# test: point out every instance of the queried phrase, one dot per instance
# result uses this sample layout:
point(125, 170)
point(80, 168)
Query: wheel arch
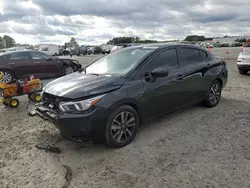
point(129, 102)
point(11, 71)
point(219, 80)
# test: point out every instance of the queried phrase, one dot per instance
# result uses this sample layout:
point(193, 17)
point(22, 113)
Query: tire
point(243, 71)
point(5, 103)
point(31, 96)
point(13, 103)
point(213, 95)
point(67, 70)
point(37, 97)
point(7, 77)
point(116, 135)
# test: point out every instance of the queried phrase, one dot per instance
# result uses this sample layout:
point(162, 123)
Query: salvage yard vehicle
point(111, 97)
point(106, 48)
point(22, 64)
point(243, 61)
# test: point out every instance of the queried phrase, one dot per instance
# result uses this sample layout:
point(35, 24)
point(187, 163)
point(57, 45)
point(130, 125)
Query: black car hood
point(80, 85)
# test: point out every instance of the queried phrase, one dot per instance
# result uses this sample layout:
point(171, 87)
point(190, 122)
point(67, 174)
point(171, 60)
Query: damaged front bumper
point(75, 127)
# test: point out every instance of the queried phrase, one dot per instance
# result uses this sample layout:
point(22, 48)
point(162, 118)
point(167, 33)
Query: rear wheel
point(31, 96)
point(214, 94)
point(243, 71)
point(122, 127)
point(6, 76)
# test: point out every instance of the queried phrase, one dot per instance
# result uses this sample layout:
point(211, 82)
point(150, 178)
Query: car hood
point(80, 85)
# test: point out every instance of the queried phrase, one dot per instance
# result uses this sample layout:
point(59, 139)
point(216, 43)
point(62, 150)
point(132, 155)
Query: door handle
point(209, 65)
point(36, 62)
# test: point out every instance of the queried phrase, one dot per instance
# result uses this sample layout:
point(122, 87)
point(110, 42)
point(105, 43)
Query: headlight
point(79, 106)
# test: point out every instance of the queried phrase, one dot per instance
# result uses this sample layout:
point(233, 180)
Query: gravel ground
point(194, 147)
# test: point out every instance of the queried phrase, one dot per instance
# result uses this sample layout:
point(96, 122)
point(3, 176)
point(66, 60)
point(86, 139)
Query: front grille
point(49, 99)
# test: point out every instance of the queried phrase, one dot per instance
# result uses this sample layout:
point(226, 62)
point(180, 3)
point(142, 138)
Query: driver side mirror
point(159, 72)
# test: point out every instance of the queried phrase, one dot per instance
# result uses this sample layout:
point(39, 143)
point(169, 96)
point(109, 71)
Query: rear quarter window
point(190, 56)
point(203, 55)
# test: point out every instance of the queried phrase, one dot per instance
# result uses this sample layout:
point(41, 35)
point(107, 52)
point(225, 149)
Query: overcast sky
point(97, 21)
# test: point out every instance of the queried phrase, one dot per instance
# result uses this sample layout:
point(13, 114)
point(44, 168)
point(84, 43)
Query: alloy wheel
point(214, 94)
point(6, 77)
point(69, 70)
point(123, 126)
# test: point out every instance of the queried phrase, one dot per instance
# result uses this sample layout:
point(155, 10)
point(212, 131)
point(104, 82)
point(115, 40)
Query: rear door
point(195, 61)
point(21, 64)
point(46, 66)
point(163, 94)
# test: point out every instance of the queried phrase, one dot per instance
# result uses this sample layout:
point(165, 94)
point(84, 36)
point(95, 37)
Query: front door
point(166, 93)
point(47, 66)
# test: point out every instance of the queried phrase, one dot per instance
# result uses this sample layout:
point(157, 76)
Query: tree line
point(7, 42)
point(122, 40)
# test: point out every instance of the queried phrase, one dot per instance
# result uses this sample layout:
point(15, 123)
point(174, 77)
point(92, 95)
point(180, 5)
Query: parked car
point(20, 64)
point(243, 61)
point(111, 97)
point(97, 50)
point(225, 45)
point(106, 48)
point(65, 52)
point(90, 50)
point(83, 50)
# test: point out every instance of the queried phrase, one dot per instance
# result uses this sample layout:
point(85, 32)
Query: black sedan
point(22, 64)
point(110, 98)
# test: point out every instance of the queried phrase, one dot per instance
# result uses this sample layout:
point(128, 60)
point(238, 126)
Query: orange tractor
point(31, 87)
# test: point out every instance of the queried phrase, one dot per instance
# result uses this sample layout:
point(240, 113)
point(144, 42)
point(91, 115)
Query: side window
point(38, 55)
point(203, 55)
point(190, 56)
point(19, 56)
point(167, 59)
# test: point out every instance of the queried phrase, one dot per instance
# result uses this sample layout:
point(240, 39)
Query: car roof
point(164, 45)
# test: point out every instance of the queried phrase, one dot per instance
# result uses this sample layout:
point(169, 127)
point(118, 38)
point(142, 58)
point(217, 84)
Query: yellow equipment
point(30, 87)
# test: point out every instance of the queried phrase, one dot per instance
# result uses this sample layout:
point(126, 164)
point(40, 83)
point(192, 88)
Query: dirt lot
point(195, 147)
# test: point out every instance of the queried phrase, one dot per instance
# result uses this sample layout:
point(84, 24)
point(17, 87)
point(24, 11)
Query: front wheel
point(214, 94)
point(13, 103)
point(121, 127)
point(68, 70)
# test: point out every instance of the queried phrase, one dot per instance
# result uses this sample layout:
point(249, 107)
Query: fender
point(131, 102)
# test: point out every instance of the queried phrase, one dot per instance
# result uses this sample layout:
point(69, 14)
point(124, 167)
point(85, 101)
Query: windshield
point(119, 63)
